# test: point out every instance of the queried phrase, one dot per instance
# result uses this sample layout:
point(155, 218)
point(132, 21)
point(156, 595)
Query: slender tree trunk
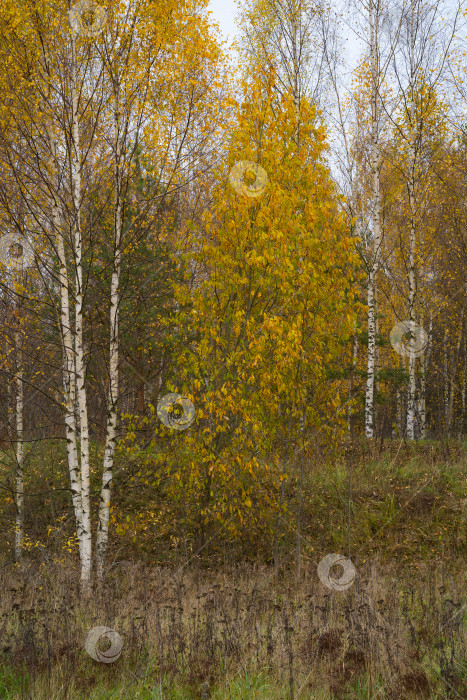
point(104, 505)
point(69, 383)
point(377, 384)
point(425, 363)
point(370, 379)
point(11, 406)
point(352, 381)
point(160, 379)
point(376, 248)
point(400, 413)
point(411, 394)
point(66, 333)
point(299, 514)
point(412, 358)
point(86, 553)
point(19, 470)
point(453, 373)
point(69, 378)
point(447, 422)
point(412, 241)
point(463, 390)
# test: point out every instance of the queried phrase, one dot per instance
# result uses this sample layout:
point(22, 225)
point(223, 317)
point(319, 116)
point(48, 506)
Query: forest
point(233, 350)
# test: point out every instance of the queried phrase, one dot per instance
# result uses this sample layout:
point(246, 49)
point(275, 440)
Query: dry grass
point(219, 627)
point(204, 633)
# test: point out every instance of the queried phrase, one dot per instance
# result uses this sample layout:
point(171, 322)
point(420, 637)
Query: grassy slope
point(400, 627)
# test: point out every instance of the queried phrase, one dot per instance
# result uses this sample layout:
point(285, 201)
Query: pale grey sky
point(224, 11)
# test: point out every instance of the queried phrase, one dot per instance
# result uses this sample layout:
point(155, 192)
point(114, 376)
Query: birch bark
point(464, 383)
point(374, 19)
point(19, 469)
point(425, 364)
point(66, 334)
point(111, 432)
point(412, 241)
point(352, 381)
point(86, 552)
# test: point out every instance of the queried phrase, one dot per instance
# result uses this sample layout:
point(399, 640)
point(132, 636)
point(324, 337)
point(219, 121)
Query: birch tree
point(19, 466)
point(374, 9)
point(419, 60)
point(170, 125)
point(49, 173)
point(79, 360)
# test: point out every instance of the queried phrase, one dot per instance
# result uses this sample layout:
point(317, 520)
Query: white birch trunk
point(411, 191)
point(10, 407)
point(351, 383)
point(19, 470)
point(376, 337)
point(69, 382)
point(86, 551)
point(66, 334)
point(463, 390)
point(111, 432)
point(425, 363)
point(400, 413)
point(370, 381)
point(412, 383)
point(375, 253)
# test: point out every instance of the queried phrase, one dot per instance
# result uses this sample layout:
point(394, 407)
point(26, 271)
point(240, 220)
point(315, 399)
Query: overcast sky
point(224, 11)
